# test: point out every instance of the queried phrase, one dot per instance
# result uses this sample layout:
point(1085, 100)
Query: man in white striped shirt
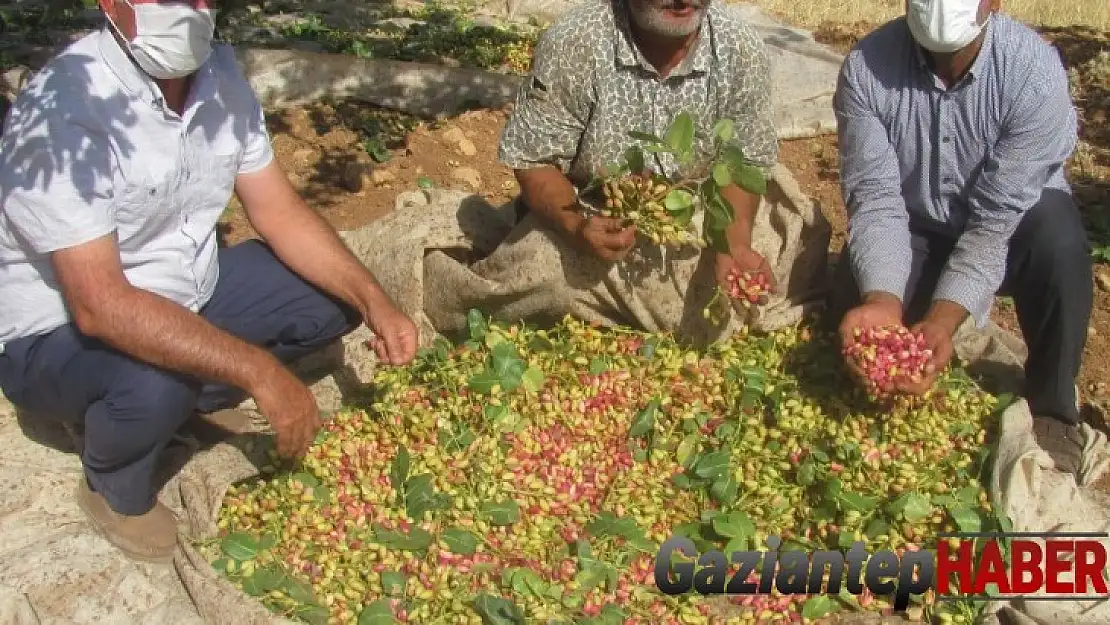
point(954, 124)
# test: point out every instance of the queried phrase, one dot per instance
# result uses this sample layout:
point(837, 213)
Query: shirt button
point(947, 139)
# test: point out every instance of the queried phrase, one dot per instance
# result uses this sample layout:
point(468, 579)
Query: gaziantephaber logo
point(1040, 566)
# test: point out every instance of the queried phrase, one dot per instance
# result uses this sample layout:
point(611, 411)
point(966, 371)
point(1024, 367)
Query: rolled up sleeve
point(552, 108)
point(878, 222)
point(1038, 137)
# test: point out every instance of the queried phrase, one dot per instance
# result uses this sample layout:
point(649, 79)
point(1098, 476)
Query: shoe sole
point(83, 504)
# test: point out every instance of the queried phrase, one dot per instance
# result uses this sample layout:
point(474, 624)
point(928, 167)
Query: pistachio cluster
point(641, 200)
point(888, 355)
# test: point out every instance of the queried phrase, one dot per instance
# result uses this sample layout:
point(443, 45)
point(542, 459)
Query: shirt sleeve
point(1039, 135)
point(751, 107)
point(257, 150)
point(878, 222)
point(55, 176)
point(552, 107)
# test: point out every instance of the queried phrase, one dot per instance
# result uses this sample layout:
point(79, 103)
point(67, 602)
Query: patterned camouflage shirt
point(590, 86)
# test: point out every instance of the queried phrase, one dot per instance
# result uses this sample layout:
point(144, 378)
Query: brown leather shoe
point(150, 537)
point(1062, 441)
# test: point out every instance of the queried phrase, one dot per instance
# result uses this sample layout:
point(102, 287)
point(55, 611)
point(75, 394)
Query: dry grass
point(811, 13)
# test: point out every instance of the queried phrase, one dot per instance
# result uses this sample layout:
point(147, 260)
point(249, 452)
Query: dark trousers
point(1048, 274)
point(131, 410)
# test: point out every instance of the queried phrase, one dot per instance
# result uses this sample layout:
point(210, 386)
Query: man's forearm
point(163, 333)
point(977, 266)
point(744, 206)
point(551, 196)
point(310, 247)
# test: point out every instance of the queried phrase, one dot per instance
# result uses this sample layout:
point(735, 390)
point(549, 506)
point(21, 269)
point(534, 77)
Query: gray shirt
point(967, 161)
point(590, 86)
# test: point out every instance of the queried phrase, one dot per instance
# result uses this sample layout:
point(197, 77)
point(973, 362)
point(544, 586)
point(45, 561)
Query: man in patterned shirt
point(608, 67)
point(955, 123)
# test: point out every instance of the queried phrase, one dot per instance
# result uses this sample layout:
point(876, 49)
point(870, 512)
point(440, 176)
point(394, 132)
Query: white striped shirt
point(967, 161)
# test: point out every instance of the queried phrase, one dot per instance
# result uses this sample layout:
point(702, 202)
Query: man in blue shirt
point(954, 125)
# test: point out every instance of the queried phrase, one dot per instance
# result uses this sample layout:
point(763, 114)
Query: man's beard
point(653, 16)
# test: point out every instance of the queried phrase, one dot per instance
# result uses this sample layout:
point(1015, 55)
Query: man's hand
point(740, 260)
point(290, 408)
point(938, 328)
point(395, 335)
point(607, 238)
point(878, 309)
point(938, 339)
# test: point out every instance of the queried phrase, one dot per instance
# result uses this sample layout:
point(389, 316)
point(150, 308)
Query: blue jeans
point(130, 409)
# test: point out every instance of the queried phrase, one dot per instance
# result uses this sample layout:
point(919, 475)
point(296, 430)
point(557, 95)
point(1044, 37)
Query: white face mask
point(943, 25)
point(171, 41)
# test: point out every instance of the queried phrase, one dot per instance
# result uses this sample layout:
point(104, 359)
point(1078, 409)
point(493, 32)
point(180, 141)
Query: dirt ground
point(325, 149)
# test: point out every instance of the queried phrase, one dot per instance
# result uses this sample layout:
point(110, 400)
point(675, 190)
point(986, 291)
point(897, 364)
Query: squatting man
point(607, 67)
point(118, 310)
point(954, 125)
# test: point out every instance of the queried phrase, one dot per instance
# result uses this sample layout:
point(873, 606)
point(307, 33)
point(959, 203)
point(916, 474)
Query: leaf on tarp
point(725, 489)
point(598, 365)
point(857, 502)
point(393, 583)
point(608, 524)
point(476, 324)
point(421, 496)
point(807, 473)
point(416, 539)
point(918, 507)
point(818, 606)
point(644, 421)
point(507, 365)
point(532, 379)
point(298, 591)
point(376, 613)
point(712, 465)
point(967, 520)
point(263, 580)
point(240, 546)
point(313, 615)
point(525, 582)
point(687, 451)
point(876, 527)
point(501, 513)
point(399, 469)
point(497, 611)
point(460, 541)
point(735, 524)
point(483, 382)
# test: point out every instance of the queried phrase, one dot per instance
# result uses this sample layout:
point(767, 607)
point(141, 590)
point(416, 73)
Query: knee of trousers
point(144, 409)
point(1053, 242)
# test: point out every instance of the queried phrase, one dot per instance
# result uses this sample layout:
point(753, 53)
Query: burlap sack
point(456, 252)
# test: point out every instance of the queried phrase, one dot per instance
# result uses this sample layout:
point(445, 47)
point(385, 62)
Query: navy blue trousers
point(131, 410)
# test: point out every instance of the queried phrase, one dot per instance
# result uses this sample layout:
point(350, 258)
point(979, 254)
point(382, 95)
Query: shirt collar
point(700, 59)
point(978, 66)
point(142, 86)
